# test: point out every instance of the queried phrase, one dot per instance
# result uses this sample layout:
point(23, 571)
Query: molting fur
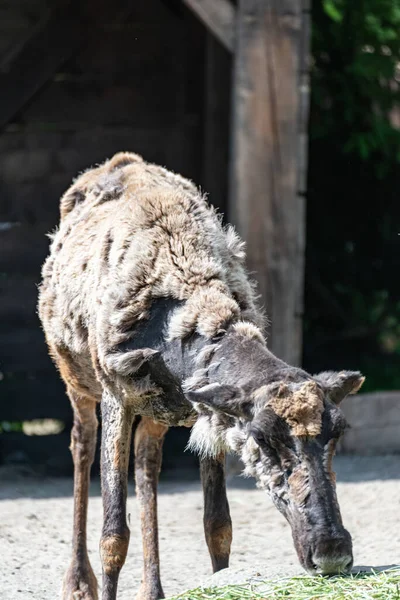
point(132, 232)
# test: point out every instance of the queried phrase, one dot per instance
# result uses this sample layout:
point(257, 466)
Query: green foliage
point(356, 51)
point(352, 291)
point(10, 426)
point(333, 10)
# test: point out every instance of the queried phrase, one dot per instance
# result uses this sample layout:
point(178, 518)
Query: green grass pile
point(363, 586)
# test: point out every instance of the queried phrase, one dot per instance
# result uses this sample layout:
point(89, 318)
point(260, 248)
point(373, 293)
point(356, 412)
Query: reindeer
point(147, 309)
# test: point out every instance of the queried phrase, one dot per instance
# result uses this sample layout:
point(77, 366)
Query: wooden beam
point(54, 42)
point(264, 201)
point(218, 16)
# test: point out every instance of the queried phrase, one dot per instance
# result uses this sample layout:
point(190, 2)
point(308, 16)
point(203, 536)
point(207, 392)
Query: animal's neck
point(181, 356)
point(238, 359)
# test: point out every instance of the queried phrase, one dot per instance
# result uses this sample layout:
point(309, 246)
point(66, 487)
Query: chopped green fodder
point(363, 586)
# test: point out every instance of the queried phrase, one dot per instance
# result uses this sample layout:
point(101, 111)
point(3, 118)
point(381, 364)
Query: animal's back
point(131, 232)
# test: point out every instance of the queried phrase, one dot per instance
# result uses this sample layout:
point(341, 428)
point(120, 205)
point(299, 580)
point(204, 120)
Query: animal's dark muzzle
point(331, 556)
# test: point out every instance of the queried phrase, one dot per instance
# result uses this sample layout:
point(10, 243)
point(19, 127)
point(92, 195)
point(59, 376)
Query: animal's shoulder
point(124, 174)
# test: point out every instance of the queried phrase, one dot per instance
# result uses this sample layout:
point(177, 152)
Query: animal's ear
point(339, 384)
point(127, 363)
point(223, 398)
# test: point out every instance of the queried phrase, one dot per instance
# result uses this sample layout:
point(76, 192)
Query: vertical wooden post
point(266, 203)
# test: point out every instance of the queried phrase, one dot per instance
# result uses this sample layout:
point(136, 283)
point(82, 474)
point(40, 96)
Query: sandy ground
point(36, 517)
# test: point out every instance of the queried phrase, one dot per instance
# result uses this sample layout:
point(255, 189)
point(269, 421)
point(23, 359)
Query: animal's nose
point(333, 556)
point(332, 565)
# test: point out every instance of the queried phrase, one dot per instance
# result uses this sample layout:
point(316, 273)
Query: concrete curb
point(375, 424)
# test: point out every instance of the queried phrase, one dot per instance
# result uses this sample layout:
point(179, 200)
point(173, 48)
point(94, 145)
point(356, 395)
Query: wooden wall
point(135, 82)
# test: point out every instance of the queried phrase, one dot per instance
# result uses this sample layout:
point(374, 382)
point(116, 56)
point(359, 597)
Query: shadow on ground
point(373, 570)
point(19, 481)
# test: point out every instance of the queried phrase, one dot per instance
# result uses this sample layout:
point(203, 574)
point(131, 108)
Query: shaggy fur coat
point(132, 232)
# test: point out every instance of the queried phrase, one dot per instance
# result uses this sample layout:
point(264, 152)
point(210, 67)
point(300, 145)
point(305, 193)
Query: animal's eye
point(258, 436)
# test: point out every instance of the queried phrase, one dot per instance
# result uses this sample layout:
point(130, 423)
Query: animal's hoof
point(150, 592)
point(80, 583)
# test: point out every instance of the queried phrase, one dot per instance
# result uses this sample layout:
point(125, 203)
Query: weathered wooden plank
point(34, 397)
point(188, 150)
point(50, 452)
point(18, 16)
point(28, 209)
point(25, 35)
point(18, 298)
point(33, 204)
point(62, 32)
point(264, 203)
point(217, 122)
point(100, 86)
point(93, 103)
point(218, 16)
point(23, 350)
point(23, 249)
point(128, 50)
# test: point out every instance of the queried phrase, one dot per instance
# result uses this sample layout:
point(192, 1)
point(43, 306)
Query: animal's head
point(286, 433)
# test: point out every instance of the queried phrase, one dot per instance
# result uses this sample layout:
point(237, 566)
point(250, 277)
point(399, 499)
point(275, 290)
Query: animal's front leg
point(79, 581)
point(148, 453)
point(217, 520)
point(117, 422)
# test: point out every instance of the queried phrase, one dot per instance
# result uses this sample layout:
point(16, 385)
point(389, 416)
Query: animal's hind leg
point(217, 520)
point(149, 438)
point(79, 581)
